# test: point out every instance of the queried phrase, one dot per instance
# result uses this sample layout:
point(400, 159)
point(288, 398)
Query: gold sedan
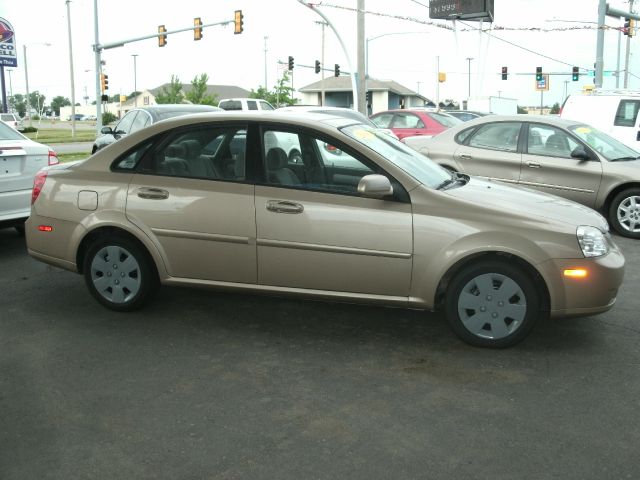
point(215, 200)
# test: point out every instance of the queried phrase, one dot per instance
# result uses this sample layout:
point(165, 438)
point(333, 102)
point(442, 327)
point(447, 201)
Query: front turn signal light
point(576, 272)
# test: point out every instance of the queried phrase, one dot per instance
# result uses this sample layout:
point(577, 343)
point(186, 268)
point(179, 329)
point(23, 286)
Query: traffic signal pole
point(98, 48)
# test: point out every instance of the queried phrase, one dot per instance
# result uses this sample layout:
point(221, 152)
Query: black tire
point(130, 280)
point(624, 213)
point(493, 319)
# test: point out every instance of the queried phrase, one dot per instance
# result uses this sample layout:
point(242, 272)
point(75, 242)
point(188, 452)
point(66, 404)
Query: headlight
point(592, 241)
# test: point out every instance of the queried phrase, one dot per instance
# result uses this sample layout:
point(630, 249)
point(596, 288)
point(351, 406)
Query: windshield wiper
point(624, 159)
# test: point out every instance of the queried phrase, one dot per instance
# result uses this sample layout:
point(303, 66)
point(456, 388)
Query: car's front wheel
point(624, 213)
point(492, 304)
point(119, 273)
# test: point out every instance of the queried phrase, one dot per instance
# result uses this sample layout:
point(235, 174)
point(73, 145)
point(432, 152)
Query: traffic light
point(625, 29)
point(291, 63)
point(538, 74)
point(505, 73)
point(317, 66)
point(162, 39)
point(368, 97)
point(197, 32)
point(238, 21)
point(336, 70)
point(576, 74)
point(104, 82)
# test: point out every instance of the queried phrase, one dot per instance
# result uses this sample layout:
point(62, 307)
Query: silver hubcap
point(492, 306)
point(116, 274)
point(629, 214)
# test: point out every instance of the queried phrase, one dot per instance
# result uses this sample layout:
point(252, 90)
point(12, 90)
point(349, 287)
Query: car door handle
point(533, 164)
point(153, 193)
point(465, 156)
point(280, 206)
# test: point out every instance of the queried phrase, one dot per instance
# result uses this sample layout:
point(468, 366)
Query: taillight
point(38, 183)
point(53, 158)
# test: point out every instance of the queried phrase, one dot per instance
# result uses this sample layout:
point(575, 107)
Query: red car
point(408, 123)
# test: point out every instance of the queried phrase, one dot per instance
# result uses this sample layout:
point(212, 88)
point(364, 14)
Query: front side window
point(549, 141)
point(308, 162)
point(627, 113)
point(265, 106)
point(141, 121)
point(208, 153)
point(497, 136)
point(124, 126)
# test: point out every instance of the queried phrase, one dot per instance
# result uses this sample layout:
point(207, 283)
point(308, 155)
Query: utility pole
point(361, 101)
point(322, 95)
point(73, 88)
point(265, 63)
point(437, 82)
point(626, 61)
point(618, 60)
point(135, 79)
point(602, 12)
point(469, 92)
point(97, 50)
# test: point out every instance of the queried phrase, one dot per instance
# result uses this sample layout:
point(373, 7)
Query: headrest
point(192, 147)
point(176, 150)
point(276, 159)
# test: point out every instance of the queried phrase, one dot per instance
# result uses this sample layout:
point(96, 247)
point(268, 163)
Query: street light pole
point(26, 81)
point(469, 70)
point(265, 63)
point(73, 89)
point(135, 80)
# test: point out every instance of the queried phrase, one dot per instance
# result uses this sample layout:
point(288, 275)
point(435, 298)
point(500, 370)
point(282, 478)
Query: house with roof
point(383, 94)
point(148, 97)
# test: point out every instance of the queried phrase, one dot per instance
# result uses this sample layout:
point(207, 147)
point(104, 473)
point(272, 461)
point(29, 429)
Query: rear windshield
point(8, 133)
point(446, 120)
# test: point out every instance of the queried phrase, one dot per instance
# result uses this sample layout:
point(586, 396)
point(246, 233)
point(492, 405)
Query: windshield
point(607, 146)
point(413, 163)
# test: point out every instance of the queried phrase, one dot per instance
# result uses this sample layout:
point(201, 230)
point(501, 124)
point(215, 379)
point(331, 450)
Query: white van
point(244, 104)
point(613, 112)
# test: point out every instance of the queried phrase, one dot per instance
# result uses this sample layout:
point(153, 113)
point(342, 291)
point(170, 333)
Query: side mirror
point(375, 186)
point(106, 130)
point(579, 153)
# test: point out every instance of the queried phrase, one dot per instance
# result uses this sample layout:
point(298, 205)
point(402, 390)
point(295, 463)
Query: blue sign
point(8, 54)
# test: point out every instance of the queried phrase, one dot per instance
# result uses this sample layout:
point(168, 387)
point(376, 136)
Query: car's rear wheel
point(624, 213)
point(492, 304)
point(119, 273)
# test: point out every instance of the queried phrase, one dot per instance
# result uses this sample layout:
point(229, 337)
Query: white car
point(10, 119)
point(20, 160)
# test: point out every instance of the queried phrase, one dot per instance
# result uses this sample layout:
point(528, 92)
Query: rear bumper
point(15, 205)
point(596, 293)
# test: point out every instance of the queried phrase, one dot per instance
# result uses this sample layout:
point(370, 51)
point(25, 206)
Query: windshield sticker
point(584, 130)
point(364, 135)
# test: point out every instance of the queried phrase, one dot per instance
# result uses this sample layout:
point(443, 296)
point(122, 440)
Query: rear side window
point(231, 105)
point(627, 113)
point(265, 106)
point(383, 120)
point(252, 105)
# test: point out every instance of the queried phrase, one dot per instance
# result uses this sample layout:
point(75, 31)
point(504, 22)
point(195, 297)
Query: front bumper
point(595, 293)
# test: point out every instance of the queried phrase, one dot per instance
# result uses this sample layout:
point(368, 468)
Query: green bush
point(108, 117)
point(28, 130)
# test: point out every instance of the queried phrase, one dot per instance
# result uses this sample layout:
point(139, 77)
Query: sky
point(553, 34)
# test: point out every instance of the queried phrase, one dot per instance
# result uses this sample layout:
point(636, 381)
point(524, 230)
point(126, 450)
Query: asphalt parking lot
point(223, 386)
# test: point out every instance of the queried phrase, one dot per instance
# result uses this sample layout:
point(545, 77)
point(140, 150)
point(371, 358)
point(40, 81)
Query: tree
point(18, 102)
point(59, 102)
point(281, 95)
point(36, 102)
point(173, 94)
point(555, 109)
point(198, 93)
